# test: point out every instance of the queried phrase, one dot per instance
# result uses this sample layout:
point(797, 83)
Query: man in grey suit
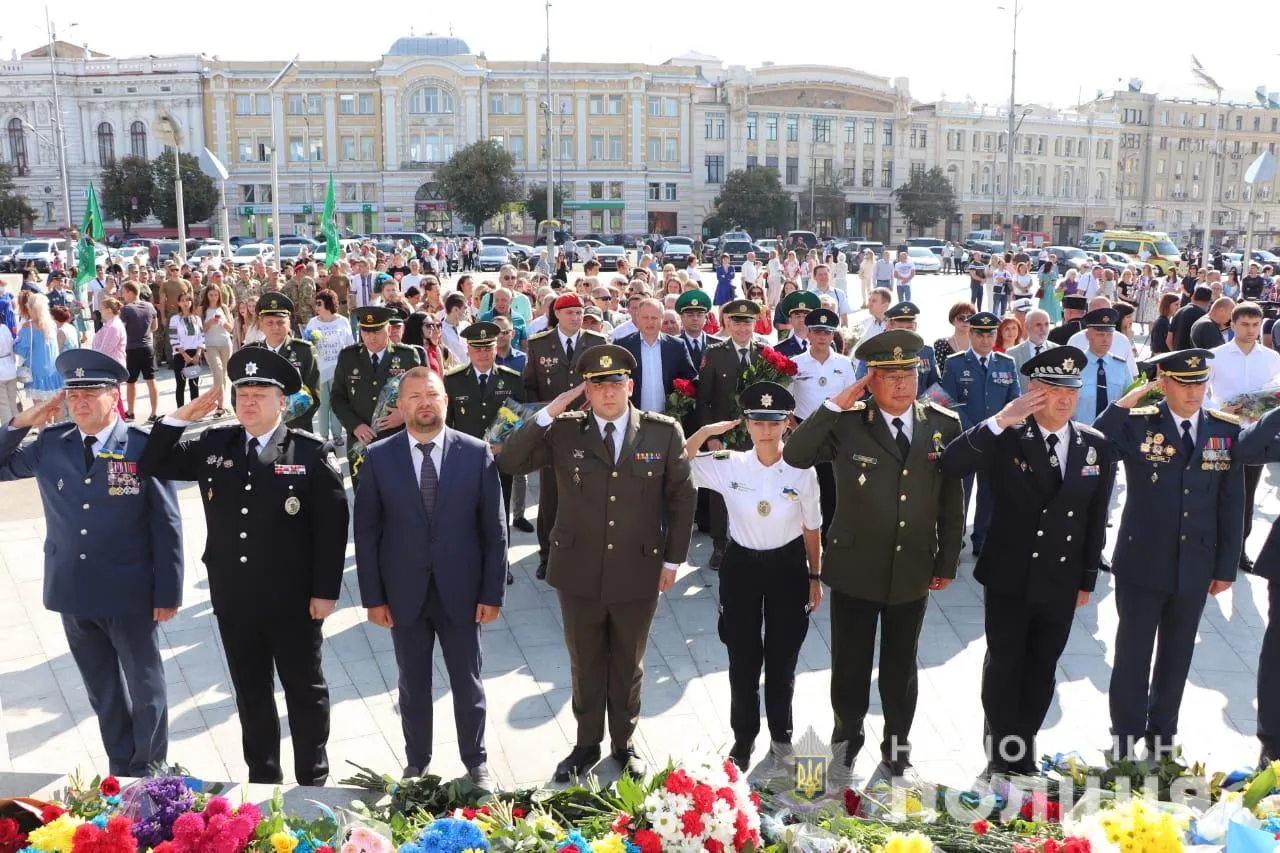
point(113, 558)
point(431, 556)
point(1037, 324)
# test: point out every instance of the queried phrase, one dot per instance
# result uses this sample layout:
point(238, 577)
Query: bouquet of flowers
point(772, 366)
point(1253, 405)
point(509, 418)
point(699, 804)
point(312, 335)
point(298, 404)
point(937, 394)
point(682, 400)
point(387, 399)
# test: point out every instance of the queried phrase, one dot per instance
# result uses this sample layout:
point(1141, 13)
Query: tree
point(826, 199)
point(755, 200)
point(199, 195)
point(536, 204)
point(926, 198)
point(478, 180)
point(15, 211)
point(127, 190)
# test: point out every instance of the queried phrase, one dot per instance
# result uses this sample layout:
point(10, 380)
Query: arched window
point(953, 176)
point(138, 139)
point(986, 179)
point(431, 99)
point(106, 144)
point(18, 147)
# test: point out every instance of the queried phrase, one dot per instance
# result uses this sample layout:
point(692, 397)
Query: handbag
point(191, 371)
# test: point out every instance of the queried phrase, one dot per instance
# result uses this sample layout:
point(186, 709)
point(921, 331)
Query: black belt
point(743, 551)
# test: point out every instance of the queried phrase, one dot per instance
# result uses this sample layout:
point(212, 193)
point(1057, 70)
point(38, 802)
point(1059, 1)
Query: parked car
point(710, 253)
point(677, 250)
point(764, 247)
point(42, 252)
point(933, 244)
point(737, 251)
point(923, 259)
point(417, 239)
point(1069, 257)
point(9, 255)
point(132, 255)
point(608, 256)
point(517, 251)
point(808, 238)
point(492, 257)
point(250, 252)
point(857, 247)
point(297, 240)
point(211, 252)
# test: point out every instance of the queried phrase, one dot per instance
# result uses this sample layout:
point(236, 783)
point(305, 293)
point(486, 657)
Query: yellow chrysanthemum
point(913, 842)
point(913, 804)
point(54, 837)
point(611, 843)
point(283, 842)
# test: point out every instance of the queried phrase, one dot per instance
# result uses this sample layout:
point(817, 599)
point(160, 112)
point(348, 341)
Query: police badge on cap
point(766, 401)
point(261, 366)
point(1058, 366)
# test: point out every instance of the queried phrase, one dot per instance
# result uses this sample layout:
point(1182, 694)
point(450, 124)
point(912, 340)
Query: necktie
point(609, 430)
point(374, 358)
point(983, 361)
point(1188, 444)
point(904, 446)
point(744, 359)
point(484, 380)
point(428, 481)
point(1054, 461)
point(1100, 401)
point(251, 450)
point(89, 441)
point(1038, 348)
point(568, 350)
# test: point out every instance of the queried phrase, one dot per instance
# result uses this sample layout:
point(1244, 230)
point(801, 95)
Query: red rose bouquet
point(682, 400)
point(771, 366)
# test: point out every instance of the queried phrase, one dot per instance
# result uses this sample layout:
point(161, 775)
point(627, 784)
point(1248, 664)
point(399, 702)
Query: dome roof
point(429, 45)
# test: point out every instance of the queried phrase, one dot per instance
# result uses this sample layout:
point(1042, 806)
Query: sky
point(952, 48)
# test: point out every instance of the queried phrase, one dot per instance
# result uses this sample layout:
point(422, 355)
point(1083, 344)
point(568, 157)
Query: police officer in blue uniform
point(903, 315)
point(1179, 540)
point(1105, 376)
point(1260, 443)
point(981, 382)
point(113, 559)
point(1051, 480)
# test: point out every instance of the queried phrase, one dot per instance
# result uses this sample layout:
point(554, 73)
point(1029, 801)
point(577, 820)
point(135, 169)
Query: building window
point(655, 107)
point(715, 169)
point(867, 173)
point(138, 140)
point(655, 149)
point(247, 194)
point(106, 144)
point(244, 105)
point(566, 148)
point(822, 130)
point(671, 154)
point(713, 125)
point(752, 127)
point(752, 161)
point(670, 108)
point(515, 104)
point(597, 189)
point(868, 132)
point(771, 128)
point(615, 105)
point(294, 105)
point(597, 105)
point(431, 100)
point(850, 131)
point(771, 163)
point(828, 167)
point(615, 147)
point(346, 105)
point(262, 105)
point(597, 147)
point(366, 149)
point(886, 176)
point(793, 170)
point(888, 134)
point(348, 148)
point(793, 128)
point(366, 105)
point(515, 145)
point(919, 134)
point(655, 192)
point(668, 192)
point(315, 105)
point(244, 145)
point(297, 149)
point(495, 105)
point(615, 189)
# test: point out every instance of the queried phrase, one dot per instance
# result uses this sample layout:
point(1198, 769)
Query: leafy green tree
point(827, 203)
point(536, 203)
point(15, 211)
point(127, 189)
point(755, 200)
point(478, 180)
point(926, 198)
point(199, 195)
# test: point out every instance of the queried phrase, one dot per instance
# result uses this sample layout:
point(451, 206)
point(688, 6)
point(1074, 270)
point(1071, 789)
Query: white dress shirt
point(908, 423)
point(100, 438)
point(816, 381)
point(564, 340)
point(768, 507)
point(1064, 440)
point(652, 396)
point(1121, 347)
point(1233, 371)
point(623, 330)
point(451, 337)
point(437, 455)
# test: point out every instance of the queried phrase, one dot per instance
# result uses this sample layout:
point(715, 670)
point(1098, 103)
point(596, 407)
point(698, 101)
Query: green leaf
point(1260, 786)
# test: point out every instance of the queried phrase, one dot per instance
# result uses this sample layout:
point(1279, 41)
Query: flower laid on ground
point(908, 842)
point(160, 802)
point(109, 786)
point(702, 804)
point(117, 837)
point(55, 836)
point(449, 835)
point(12, 838)
point(365, 840)
point(217, 829)
point(1133, 826)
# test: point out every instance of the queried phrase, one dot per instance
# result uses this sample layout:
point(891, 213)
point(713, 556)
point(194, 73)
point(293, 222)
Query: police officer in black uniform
point(1076, 306)
point(277, 517)
point(275, 315)
point(1051, 481)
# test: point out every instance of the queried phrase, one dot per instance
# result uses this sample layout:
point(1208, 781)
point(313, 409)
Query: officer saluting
point(771, 581)
point(631, 467)
point(1051, 481)
point(1179, 540)
point(277, 518)
point(896, 536)
point(275, 317)
point(121, 575)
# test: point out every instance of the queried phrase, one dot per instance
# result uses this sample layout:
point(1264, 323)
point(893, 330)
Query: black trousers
point(1145, 701)
point(853, 638)
point(414, 642)
point(119, 660)
point(258, 649)
point(1268, 688)
point(826, 495)
point(1252, 476)
point(763, 622)
point(180, 384)
point(1024, 642)
point(548, 500)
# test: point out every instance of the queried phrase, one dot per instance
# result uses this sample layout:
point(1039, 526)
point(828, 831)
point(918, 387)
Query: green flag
point(330, 229)
point(90, 232)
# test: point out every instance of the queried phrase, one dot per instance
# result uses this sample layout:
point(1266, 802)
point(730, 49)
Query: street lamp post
point(1013, 86)
point(1203, 78)
point(550, 163)
point(275, 158)
point(60, 136)
point(306, 122)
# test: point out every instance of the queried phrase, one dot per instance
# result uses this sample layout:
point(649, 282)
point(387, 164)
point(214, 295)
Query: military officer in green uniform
point(275, 318)
point(477, 391)
point(359, 377)
point(895, 537)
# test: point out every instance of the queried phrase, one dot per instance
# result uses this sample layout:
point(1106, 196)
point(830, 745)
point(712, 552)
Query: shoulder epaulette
point(505, 369)
point(304, 342)
point(1144, 410)
point(541, 334)
point(347, 348)
point(657, 416)
point(1223, 416)
point(457, 369)
point(306, 434)
point(938, 407)
point(1116, 357)
point(999, 355)
point(575, 415)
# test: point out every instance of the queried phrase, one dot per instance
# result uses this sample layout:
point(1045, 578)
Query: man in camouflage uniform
point(301, 290)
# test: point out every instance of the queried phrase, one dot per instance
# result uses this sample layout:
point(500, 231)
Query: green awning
point(595, 204)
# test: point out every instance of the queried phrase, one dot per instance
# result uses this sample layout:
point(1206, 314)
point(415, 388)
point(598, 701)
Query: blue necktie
point(1100, 401)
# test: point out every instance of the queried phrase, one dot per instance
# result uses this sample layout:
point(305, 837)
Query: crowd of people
point(851, 480)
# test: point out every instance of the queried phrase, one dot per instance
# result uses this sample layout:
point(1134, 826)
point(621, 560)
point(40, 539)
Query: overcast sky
point(1067, 50)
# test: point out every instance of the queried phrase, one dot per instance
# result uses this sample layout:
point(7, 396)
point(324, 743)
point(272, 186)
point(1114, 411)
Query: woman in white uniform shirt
point(769, 580)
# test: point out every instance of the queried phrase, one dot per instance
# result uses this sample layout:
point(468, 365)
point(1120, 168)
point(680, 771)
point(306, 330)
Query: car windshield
point(919, 252)
point(1165, 246)
point(493, 250)
point(248, 252)
point(683, 241)
point(1075, 253)
point(35, 246)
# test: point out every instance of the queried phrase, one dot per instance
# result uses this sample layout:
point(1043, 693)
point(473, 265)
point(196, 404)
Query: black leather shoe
point(741, 755)
point(411, 771)
point(630, 761)
point(522, 524)
point(541, 574)
point(717, 557)
point(510, 579)
point(582, 759)
point(1246, 565)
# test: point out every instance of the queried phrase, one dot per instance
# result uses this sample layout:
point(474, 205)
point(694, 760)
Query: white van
point(42, 253)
